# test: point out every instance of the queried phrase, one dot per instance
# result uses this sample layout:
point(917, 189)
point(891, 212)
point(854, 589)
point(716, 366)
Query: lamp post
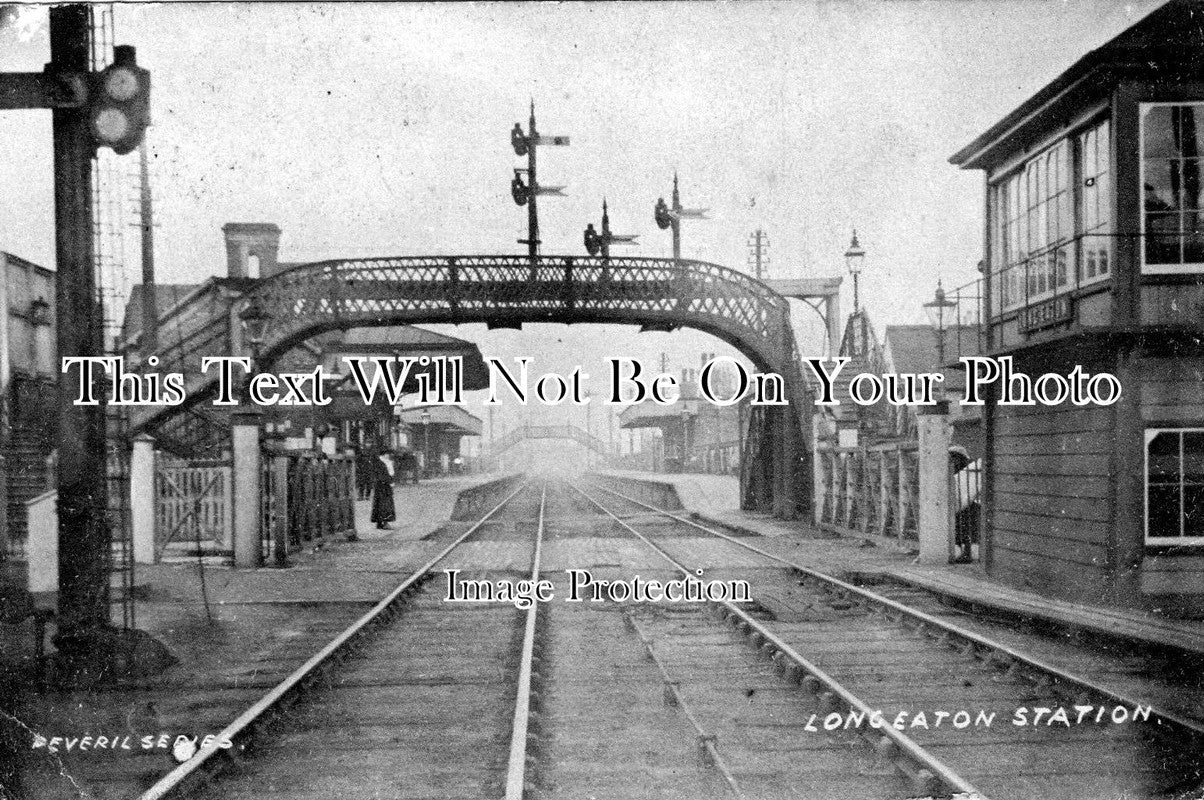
point(935, 309)
point(854, 257)
point(255, 319)
point(426, 442)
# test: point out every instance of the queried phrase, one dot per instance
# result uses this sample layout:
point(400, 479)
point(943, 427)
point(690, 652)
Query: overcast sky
point(376, 129)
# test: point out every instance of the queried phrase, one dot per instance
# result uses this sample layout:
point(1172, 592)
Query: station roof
point(409, 341)
point(653, 415)
point(446, 419)
point(912, 348)
point(167, 297)
point(1161, 45)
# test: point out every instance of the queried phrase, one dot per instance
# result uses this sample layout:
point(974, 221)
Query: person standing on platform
point(383, 472)
point(363, 474)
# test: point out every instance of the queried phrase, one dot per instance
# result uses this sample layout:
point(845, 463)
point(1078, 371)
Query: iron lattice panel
point(552, 288)
point(659, 293)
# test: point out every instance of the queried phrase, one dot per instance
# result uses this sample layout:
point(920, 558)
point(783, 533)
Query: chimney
point(245, 240)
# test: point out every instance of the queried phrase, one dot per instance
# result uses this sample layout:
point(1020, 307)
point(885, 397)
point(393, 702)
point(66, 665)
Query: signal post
point(90, 109)
point(671, 216)
point(524, 193)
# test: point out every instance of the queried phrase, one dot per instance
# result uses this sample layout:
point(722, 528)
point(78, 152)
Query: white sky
point(377, 129)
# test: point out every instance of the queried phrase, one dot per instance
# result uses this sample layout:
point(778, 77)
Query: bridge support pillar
point(248, 549)
point(782, 459)
point(935, 517)
point(142, 498)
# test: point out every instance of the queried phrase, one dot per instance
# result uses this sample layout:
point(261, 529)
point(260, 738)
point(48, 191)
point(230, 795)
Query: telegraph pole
point(758, 243)
point(671, 216)
point(525, 193)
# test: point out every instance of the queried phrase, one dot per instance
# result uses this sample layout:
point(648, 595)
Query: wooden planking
point(1187, 392)
point(1064, 465)
point(1039, 500)
point(1177, 574)
point(1093, 416)
point(1176, 304)
point(1043, 544)
point(1077, 420)
point(1188, 416)
point(1097, 487)
point(1052, 575)
point(1032, 518)
point(1098, 442)
point(1172, 390)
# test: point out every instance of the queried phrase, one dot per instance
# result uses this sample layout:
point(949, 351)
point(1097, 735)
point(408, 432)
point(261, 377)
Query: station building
point(28, 375)
point(693, 434)
point(1094, 256)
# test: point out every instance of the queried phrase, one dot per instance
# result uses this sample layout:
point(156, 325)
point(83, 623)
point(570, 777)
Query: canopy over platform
point(653, 415)
point(444, 419)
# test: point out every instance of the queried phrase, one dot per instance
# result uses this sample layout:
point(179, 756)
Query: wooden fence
point(193, 506)
point(870, 491)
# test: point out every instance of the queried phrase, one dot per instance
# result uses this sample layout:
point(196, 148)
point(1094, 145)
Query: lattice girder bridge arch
point(506, 291)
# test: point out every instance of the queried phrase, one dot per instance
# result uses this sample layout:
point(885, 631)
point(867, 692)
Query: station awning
point(407, 341)
point(448, 419)
point(654, 415)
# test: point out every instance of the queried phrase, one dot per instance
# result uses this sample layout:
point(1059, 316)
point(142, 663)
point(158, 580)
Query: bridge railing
point(871, 491)
point(305, 499)
point(659, 294)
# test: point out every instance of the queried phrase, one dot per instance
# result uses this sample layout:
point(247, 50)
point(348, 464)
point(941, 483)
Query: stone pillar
point(142, 498)
point(935, 512)
point(248, 551)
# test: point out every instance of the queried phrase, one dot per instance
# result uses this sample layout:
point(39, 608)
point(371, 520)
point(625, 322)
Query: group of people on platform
point(376, 473)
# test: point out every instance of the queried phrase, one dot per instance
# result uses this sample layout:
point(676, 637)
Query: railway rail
point(421, 697)
point(887, 653)
point(252, 730)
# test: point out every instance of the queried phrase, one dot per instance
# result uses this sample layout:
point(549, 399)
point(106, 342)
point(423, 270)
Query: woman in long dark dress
point(383, 510)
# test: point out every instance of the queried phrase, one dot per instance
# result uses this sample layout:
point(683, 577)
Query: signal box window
point(1172, 138)
point(1174, 474)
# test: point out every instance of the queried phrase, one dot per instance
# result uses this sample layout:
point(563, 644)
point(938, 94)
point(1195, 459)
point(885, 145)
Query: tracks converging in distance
point(422, 698)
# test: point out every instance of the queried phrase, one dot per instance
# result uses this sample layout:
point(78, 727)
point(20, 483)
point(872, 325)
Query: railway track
point(860, 651)
point(425, 698)
point(622, 716)
point(356, 720)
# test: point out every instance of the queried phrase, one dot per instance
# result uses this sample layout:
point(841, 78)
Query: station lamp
point(937, 309)
point(255, 319)
point(854, 258)
point(119, 102)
